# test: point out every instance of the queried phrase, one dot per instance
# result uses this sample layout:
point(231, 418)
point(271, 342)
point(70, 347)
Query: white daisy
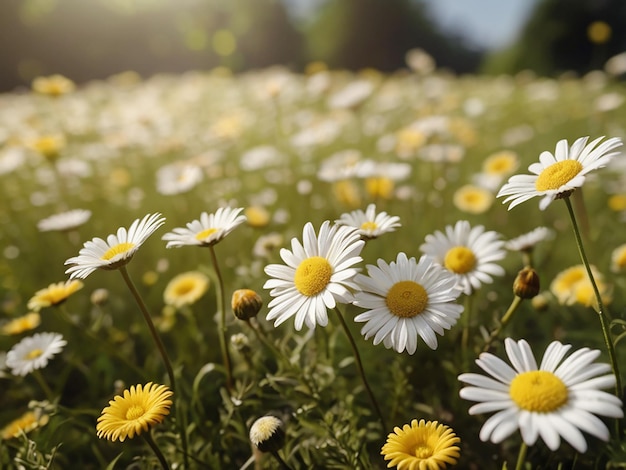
point(527, 241)
point(178, 178)
point(368, 223)
point(317, 275)
point(556, 176)
point(34, 352)
point(560, 398)
point(467, 252)
point(407, 299)
point(116, 251)
point(209, 230)
point(64, 221)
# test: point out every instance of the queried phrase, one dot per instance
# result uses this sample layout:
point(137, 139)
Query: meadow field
point(159, 352)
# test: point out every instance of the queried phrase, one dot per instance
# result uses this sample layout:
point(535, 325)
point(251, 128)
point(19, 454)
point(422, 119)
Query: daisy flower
point(369, 224)
point(572, 285)
point(54, 85)
point(209, 230)
point(472, 199)
point(618, 259)
point(116, 251)
point(137, 411)
point(556, 176)
point(64, 221)
point(185, 289)
point(407, 299)
point(422, 445)
point(467, 252)
point(560, 398)
point(178, 178)
point(54, 294)
point(527, 241)
point(267, 434)
point(34, 352)
point(30, 321)
point(26, 423)
point(317, 275)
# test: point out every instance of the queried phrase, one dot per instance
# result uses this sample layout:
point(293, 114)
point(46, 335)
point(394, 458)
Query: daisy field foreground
point(331, 270)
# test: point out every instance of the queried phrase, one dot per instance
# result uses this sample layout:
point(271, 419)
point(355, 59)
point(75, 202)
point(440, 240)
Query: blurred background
point(94, 39)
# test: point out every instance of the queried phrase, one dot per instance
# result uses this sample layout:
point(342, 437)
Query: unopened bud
point(267, 434)
point(526, 284)
point(246, 303)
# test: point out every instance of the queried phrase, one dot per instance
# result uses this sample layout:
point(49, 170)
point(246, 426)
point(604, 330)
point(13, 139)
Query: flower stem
point(505, 320)
point(42, 383)
point(521, 456)
point(151, 327)
point(467, 314)
point(359, 364)
point(604, 321)
point(164, 356)
point(279, 459)
point(155, 448)
point(222, 321)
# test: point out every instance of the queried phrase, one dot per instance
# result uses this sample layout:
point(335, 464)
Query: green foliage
point(120, 134)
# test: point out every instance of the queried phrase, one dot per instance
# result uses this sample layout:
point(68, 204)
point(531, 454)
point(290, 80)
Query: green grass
point(119, 135)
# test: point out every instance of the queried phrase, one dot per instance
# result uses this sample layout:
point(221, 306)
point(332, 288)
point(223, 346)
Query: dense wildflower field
point(280, 270)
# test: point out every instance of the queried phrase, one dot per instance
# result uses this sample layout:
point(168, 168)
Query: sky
point(488, 24)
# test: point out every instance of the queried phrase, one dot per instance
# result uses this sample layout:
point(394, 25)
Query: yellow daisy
point(27, 322)
point(24, 424)
point(135, 412)
point(423, 445)
point(54, 294)
point(186, 289)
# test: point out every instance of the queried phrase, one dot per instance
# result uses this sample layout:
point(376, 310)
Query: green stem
point(521, 456)
point(42, 383)
point(260, 334)
point(359, 364)
point(505, 320)
point(604, 321)
point(155, 448)
point(164, 356)
point(222, 321)
point(467, 314)
point(151, 327)
point(278, 458)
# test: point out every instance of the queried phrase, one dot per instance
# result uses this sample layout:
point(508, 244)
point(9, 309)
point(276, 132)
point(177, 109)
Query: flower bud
point(526, 284)
point(246, 303)
point(267, 434)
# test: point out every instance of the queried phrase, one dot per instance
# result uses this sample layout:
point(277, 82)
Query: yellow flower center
point(539, 391)
point(423, 452)
point(134, 412)
point(185, 286)
point(313, 275)
point(557, 175)
point(369, 226)
point(406, 299)
point(500, 165)
point(206, 233)
point(116, 250)
point(34, 354)
point(460, 260)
